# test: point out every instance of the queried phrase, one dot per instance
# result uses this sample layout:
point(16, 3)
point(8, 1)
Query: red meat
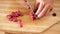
point(13, 17)
point(28, 7)
point(20, 23)
point(32, 15)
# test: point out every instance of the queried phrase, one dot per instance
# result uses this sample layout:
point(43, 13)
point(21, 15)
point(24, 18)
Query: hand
point(44, 7)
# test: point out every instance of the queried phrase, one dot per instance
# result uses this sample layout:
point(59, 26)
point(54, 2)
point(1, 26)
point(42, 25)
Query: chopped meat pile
point(13, 17)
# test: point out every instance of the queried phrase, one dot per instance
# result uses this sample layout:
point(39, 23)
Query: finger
point(51, 9)
point(25, 0)
point(48, 11)
point(39, 8)
point(36, 5)
point(42, 13)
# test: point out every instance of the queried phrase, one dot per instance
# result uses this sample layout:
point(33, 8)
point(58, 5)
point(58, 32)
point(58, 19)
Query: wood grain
point(36, 26)
point(1, 32)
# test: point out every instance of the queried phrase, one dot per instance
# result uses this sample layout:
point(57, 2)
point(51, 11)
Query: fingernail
point(51, 9)
point(36, 17)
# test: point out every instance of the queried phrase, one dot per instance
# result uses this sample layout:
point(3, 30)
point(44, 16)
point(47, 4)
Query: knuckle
point(49, 5)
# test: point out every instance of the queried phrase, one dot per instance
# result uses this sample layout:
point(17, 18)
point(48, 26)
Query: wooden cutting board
point(36, 26)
